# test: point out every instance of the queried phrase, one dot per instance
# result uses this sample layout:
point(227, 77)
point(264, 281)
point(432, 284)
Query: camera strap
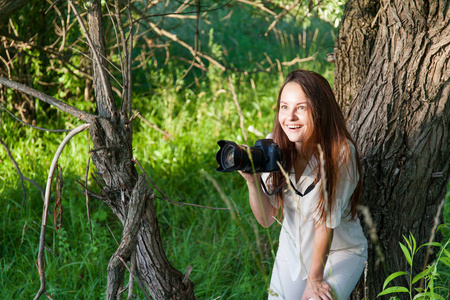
point(308, 189)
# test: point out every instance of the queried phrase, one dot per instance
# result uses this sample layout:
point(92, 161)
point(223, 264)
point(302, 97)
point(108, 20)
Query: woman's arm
point(317, 288)
point(259, 202)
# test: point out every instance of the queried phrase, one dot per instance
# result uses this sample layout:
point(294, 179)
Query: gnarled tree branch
point(40, 263)
point(84, 116)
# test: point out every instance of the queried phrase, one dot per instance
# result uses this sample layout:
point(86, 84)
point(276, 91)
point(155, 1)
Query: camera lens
point(261, 158)
point(228, 156)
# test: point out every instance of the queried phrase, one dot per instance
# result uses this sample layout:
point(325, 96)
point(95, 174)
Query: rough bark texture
point(399, 117)
point(128, 196)
point(353, 48)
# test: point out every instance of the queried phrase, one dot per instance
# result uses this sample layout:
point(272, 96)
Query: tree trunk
point(128, 195)
point(398, 86)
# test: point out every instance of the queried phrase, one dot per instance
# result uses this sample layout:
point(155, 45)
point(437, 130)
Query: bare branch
point(84, 116)
point(132, 274)
point(22, 177)
point(238, 107)
point(123, 58)
point(35, 127)
point(40, 262)
point(165, 133)
point(298, 60)
point(258, 5)
point(87, 194)
point(280, 16)
point(105, 83)
point(178, 13)
point(171, 201)
point(128, 105)
point(136, 207)
point(194, 53)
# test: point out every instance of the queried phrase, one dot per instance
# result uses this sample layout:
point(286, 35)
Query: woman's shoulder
point(348, 150)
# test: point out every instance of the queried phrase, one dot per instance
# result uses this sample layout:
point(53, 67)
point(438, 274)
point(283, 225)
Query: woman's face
point(294, 113)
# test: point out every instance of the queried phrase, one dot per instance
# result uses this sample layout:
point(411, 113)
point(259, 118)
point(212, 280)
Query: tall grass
point(230, 254)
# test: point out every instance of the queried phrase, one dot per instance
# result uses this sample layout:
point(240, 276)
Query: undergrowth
point(230, 254)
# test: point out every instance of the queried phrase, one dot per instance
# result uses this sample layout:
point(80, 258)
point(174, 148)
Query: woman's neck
point(300, 164)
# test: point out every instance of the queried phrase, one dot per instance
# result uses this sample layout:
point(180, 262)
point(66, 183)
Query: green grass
point(230, 254)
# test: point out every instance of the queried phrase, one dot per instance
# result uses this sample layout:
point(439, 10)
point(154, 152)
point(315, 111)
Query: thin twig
point(234, 213)
point(136, 278)
point(123, 60)
point(131, 279)
point(196, 41)
point(40, 262)
point(194, 53)
point(22, 177)
point(258, 5)
point(112, 233)
point(96, 58)
point(298, 60)
point(129, 77)
point(86, 192)
point(281, 16)
point(180, 13)
point(168, 199)
point(165, 133)
point(35, 127)
point(433, 232)
point(241, 116)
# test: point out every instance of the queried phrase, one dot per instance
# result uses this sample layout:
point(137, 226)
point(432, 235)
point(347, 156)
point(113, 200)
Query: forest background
point(183, 112)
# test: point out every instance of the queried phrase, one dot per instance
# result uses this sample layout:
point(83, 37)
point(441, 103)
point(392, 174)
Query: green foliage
point(432, 282)
point(231, 255)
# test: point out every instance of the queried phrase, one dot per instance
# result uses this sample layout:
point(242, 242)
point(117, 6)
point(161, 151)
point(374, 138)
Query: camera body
point(264, 154)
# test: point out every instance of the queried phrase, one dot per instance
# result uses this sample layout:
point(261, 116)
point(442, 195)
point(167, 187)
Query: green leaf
point(394, 289)
point(392, 276)
point(428, 295)
point(421, 275)
point(406, 253)
point(445, 260)
point(414, 244)
point(408, 241)
point(431, 244)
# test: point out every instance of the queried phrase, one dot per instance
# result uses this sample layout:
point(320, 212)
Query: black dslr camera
point(264, 154)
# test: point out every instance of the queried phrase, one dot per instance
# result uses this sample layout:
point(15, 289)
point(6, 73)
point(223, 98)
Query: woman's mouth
point(294, 126)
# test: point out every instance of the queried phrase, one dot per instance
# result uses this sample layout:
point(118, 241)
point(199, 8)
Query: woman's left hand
point(318, 290)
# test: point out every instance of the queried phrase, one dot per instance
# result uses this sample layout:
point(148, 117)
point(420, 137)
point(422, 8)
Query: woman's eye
point(301, 107)
point(283, 107)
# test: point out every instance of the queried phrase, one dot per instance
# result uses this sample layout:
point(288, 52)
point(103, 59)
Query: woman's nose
point(293, 115)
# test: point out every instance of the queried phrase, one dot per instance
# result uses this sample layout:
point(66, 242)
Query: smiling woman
point(294, 116)
point(322, 248)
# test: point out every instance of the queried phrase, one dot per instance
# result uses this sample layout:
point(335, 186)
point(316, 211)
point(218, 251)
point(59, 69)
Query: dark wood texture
point(397, 87)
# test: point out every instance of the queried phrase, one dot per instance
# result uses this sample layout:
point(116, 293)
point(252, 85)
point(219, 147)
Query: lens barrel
point(232, 157)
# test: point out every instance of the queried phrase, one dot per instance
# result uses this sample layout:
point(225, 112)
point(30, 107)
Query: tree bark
point(127, 195)
point(399, 118)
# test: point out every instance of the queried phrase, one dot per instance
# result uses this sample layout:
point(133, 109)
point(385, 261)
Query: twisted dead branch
point(40, 263)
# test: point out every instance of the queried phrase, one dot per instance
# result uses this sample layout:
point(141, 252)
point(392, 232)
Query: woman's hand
point(318, 290)
point(249, 177)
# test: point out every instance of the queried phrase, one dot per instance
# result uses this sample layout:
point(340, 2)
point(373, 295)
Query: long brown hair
point(328, 129)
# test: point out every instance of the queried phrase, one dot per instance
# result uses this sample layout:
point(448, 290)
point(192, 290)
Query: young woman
point(322, 249)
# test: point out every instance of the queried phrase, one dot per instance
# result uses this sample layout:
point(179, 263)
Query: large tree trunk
point(131, 200)
point(398, 84)
point(128, 195)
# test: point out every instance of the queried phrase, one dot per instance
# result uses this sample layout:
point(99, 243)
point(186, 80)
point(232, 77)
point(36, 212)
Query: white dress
point(297, 233)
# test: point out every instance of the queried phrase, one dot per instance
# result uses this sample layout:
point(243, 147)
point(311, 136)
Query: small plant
point(433, 280)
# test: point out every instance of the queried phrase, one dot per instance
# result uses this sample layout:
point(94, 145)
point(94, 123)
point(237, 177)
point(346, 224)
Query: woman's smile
point(293, 115)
